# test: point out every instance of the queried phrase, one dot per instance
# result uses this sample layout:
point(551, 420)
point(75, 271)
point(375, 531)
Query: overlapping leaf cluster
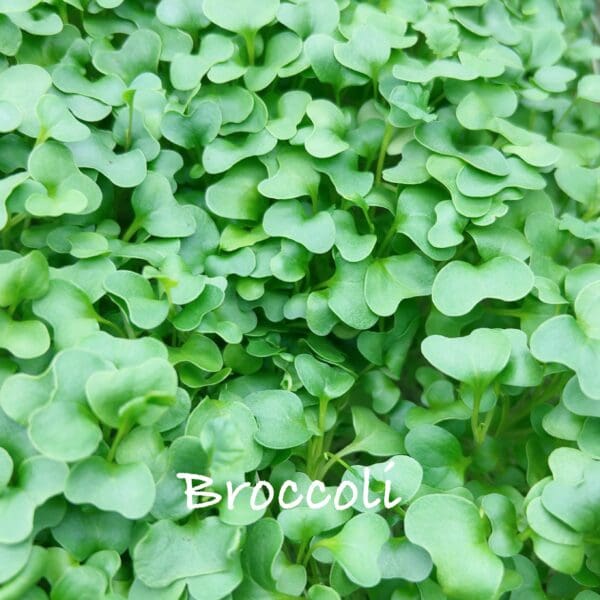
point(274, 240)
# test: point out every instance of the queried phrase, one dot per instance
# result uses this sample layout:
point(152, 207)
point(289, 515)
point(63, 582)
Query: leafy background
point(288, 240)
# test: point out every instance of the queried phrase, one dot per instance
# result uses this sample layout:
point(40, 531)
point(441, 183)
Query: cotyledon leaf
point(459, 286)
point(442, 524)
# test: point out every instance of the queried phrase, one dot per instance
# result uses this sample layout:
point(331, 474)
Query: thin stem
point(41, 138)
point(342, 462)
point(314, 199)
point(131, 231)
point(387, 240)
point(123, 430)
point(310, 551)
point(191, 97)
point(62, 9)
point(475, 416)
point(301, 552)
point(335, 458)
point(503, 414)
point(525, 534)
point(114, 326)
point(249, 39)
point(129, 132)
point(525, 407)
point(316, 449)
point(12, 222)
point(565, 115)
point(385, 142)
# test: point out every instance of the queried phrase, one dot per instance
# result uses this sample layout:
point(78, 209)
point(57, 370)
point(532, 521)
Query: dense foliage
point(265, 240)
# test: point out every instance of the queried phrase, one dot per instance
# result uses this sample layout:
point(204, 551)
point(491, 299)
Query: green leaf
point(195, 130)
point(309, 16)
point(329, 128)
point(459, 286)
point(291, 220)
point(391, 280)
point(21, 88)
point(16, 516)
point(300, 523)
point(64, 431)
point(440, 455)
point(446, 170)
point(125, 489)
point(240, 16)
point(182, 14)
point(69, 311)
point(64, 189)
point(281, 49)
point(200, 547)
point(501, 512)
point(442, 523)
point(353, 246)
point(373, 436)
point(291, 106)
point(319, 49)
point(443, 137)
point(280, 418)
point(136, 394)
point(588, 88)
point(476, 359)
point(188, 70)
point(562, 340)
point(366, 51)
point(478, 184)
point(222, 154)
point(346, 294)
point(22, 279)
point(135, 295)
point(139, 54)
point(236, 196)
point(24, 339)
point(400, 559)
point(357, 546)
point(322, 380)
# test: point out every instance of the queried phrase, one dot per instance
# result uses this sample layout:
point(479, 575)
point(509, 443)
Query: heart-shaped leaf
point(459, 286)
point(442, 523)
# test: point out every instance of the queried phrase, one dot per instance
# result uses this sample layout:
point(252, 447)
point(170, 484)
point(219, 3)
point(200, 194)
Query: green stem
point(525, 407)
point(114, 326)
point(503, 414)
point(301, 552)
point(131, 231)
point(41, 138)
point(387, 240)
point(191, 97)
point(62, 9)
point(375, 88)
point(314, 199)
point(129, 132)
point(565, 115)
point(316, 448)
point(335, 458)
point(310, 551)
point(475, 416)
point(123, 430)
point(249, 39)
point(388, 134)
point(12, 222)
point(590, 213)
point(525, 534)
